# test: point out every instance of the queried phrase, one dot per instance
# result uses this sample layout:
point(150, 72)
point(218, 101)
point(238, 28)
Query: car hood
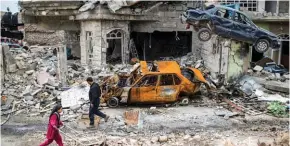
point(268, 32)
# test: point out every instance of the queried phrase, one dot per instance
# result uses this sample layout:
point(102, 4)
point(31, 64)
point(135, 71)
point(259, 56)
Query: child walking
point(53, 125)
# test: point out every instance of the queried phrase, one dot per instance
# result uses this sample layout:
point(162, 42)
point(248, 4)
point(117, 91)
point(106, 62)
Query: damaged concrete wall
point(99, 31)
point(169, 18)
point(210, 56)
point(48, 30)
point(238, 60)
point(93, 28)
point(35, 34)
point(224, 56)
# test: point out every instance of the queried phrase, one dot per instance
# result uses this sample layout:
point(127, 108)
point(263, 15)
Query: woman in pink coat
point(53, 125)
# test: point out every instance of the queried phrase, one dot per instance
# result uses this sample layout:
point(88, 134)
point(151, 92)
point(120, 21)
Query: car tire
point(204, 34)
point(184, 100)
point(113, 102)
point(262, 45)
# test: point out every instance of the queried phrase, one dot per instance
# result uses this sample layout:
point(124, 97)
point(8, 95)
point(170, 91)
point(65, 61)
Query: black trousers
point(95, 111)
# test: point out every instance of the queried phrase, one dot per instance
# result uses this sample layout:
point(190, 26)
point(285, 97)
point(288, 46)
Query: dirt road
point(181, 125)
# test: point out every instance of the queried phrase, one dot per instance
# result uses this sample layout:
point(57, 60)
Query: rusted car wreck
point(153, 82)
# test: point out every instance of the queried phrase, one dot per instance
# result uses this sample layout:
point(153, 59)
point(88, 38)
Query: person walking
point(94, 96)
point(53, 126)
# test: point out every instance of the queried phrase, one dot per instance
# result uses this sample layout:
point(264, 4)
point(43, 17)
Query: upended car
point(155, 83)
point(229, 23)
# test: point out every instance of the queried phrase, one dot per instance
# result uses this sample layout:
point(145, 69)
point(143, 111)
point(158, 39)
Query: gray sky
point(12, 4)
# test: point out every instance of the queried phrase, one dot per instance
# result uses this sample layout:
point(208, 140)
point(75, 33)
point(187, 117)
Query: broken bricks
point(131, 117)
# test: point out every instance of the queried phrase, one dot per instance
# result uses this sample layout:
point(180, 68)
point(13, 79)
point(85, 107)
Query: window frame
point(137, 85)
point(166, 75)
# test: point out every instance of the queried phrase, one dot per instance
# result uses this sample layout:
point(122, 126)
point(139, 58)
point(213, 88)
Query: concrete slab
point(273, 85)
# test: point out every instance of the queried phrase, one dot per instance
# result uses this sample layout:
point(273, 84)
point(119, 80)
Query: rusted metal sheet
point(167, 93)
point(198, 75)
point(144, 68)
point(168, 67)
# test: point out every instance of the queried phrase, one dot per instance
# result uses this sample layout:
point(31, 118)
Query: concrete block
point(258, 68)
point(42, 77)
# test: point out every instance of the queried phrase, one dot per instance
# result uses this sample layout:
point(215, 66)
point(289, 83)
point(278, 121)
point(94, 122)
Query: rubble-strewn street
point(189, 125)
point(168, 73)
point(231, 113)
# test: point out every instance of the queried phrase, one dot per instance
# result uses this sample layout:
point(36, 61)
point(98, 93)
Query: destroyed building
point(114, 32)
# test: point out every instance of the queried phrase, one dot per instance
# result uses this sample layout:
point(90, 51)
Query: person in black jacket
point(94, 96)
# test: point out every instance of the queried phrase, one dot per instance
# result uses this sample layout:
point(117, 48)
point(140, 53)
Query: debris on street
point(168, 73)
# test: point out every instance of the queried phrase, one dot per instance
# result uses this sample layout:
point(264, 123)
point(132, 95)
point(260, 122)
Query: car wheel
point(184, 101)
point(204, 34)
point(262, 45)
point(113, 102)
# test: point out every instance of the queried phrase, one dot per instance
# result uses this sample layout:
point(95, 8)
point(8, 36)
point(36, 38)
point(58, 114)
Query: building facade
point(114, 32)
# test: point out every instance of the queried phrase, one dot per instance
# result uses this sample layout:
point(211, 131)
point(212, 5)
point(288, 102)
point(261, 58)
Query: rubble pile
point(248, 96)
point(268, 69)
point(188, 60)
point(32, 81)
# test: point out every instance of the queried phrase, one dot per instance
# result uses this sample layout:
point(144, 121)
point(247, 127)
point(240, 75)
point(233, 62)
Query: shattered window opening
point(177, 80)
point(147, 81)
point(240, 19)
point(166, 80)
point(224, 13)
point(88, 35)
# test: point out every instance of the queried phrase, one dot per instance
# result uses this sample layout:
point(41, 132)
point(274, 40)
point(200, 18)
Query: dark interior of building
point(256, 56)
point(285, 54)
point(162, 44)
point(114, 51)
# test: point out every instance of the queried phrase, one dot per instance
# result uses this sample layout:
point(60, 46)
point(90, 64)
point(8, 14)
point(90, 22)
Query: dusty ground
point(185, 125)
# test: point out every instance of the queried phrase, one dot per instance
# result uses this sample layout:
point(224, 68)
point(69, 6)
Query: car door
point(167, 90)
point(222, 22)
point(144, 90)
point(243, 30)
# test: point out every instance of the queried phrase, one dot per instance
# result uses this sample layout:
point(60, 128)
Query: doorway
point(159, 45)
point(284, 50)
point(114, 51)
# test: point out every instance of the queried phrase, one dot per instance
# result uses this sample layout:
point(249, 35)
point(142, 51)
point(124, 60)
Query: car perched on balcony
point(229, 23)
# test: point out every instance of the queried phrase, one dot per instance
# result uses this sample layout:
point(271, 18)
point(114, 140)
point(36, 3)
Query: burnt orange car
point(158, 82)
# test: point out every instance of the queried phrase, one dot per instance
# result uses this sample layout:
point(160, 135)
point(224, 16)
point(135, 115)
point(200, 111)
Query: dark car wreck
point(229, 23)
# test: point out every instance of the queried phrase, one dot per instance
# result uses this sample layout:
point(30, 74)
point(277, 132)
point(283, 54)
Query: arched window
point(115, 34)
